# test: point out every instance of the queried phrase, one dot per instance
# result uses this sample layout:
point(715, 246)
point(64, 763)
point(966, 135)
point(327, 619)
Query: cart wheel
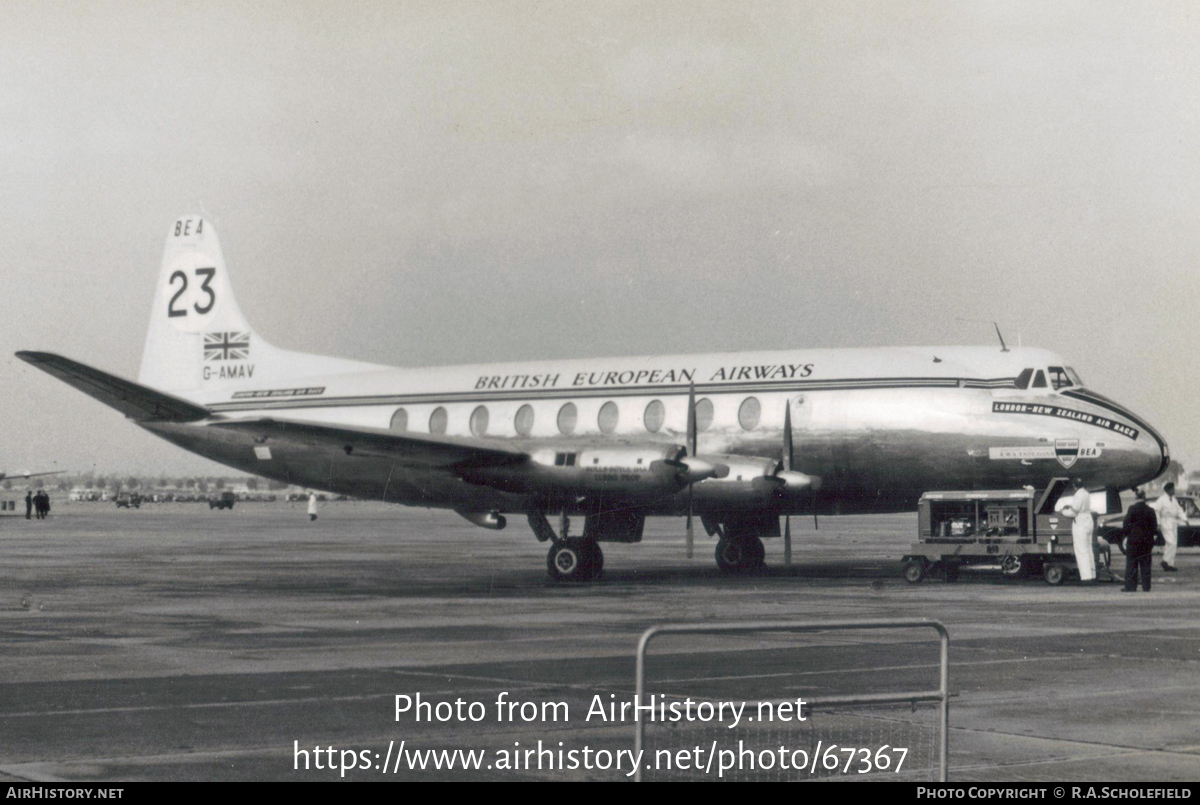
point(914, 571)
point(1054, 573)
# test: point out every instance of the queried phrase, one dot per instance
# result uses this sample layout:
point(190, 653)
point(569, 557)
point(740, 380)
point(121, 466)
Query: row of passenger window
point(567, 421)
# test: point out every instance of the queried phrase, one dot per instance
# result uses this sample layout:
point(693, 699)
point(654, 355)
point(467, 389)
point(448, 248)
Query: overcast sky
point(440, 182)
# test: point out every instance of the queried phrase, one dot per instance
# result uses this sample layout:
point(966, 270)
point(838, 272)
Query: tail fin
point(198, 338)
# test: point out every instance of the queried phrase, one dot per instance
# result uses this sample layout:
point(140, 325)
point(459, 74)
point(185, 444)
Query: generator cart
point(1016, 531)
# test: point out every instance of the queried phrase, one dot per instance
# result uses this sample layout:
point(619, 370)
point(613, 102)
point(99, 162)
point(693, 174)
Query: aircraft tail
point(198, 339)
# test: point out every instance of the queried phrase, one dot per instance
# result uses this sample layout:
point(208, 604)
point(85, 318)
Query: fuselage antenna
point(1003, 348)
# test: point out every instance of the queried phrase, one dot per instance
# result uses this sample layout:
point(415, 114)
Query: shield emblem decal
point(1066, 451)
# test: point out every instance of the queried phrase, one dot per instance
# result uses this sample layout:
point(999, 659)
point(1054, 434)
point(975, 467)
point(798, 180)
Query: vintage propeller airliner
point(738, 439)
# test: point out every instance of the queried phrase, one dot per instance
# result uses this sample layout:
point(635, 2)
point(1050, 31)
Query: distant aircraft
point(23, 474)
point(737, 439)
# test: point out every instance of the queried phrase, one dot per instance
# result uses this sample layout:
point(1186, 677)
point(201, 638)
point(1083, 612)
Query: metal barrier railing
point(940, 695)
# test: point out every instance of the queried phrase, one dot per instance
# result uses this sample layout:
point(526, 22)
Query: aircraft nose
point(1148, 456)
point(1165, 459)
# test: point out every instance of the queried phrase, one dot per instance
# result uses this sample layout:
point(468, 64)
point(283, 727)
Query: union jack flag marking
point(226, 346)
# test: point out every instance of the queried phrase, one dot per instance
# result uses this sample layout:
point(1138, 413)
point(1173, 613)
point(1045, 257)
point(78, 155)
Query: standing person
point(1080, 511)
point(1170, 515)
point(39, 504)
point(1140, 525)
point(28, 503)
point(312, 506)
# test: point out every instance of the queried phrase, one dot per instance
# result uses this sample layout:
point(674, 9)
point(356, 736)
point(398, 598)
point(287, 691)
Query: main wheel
point(733, 555)
point(573, 560)
point(914, 571)
point(757, 551)
point(597, 559)
point(1054, 573)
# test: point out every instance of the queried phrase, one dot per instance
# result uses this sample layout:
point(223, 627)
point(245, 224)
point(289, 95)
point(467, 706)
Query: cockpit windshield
point(1059, 377)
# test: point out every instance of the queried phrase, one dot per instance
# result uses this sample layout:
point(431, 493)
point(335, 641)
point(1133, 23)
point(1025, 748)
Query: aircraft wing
point(131, 399)
point(21, 474)
point(406, 449)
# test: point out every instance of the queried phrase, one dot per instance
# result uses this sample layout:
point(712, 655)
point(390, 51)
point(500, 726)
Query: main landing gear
point(575, 560)
point(570, 558)
point(741, 554)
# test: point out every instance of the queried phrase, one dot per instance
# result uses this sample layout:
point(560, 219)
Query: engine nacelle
point(629, 471)
point(750, 482)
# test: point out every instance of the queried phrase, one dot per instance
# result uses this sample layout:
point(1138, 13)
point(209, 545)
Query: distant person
point(28, 503)
point(1140, 525)
point(39, 504)
point(312, 506)
point(1080, 511)
point(1170, 515)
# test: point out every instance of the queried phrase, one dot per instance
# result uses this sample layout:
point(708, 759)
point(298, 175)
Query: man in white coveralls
point(1170, 515)
point(1080, 510)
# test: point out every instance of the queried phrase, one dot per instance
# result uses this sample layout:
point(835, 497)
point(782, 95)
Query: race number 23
point(205, 278)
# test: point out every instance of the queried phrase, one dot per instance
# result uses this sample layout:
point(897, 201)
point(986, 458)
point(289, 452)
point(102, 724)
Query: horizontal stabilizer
point(406, 449)
point(133, 400)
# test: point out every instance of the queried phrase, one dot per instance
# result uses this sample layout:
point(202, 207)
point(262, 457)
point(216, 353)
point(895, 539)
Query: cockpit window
point(1059, 378)
point(1039, 380)
point(1022, 380)
point(1075, 378)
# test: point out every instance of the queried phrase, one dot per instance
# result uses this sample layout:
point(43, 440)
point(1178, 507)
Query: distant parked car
point(129, 500)
point(1112, 526)
point(225, 500)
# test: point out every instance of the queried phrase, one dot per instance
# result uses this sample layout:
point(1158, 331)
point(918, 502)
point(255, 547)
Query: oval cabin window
point(438, 420)
point(567, 416)
point(748, 413)
point(653, 416)
point(524, 420)
point(607, 420)
point(479, 420)
point(704, 414)
point(400, 420)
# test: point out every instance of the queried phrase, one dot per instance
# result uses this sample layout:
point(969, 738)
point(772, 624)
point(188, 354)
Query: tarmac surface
point(178, 643)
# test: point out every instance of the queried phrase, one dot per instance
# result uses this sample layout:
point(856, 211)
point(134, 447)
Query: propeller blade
point(690, 535)
point(691, 451)
point(787, 467)
point(787, 541)
point(691, 420)
point(787, 437)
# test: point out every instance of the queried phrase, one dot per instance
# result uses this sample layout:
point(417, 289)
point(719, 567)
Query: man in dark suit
point(1140, 526)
